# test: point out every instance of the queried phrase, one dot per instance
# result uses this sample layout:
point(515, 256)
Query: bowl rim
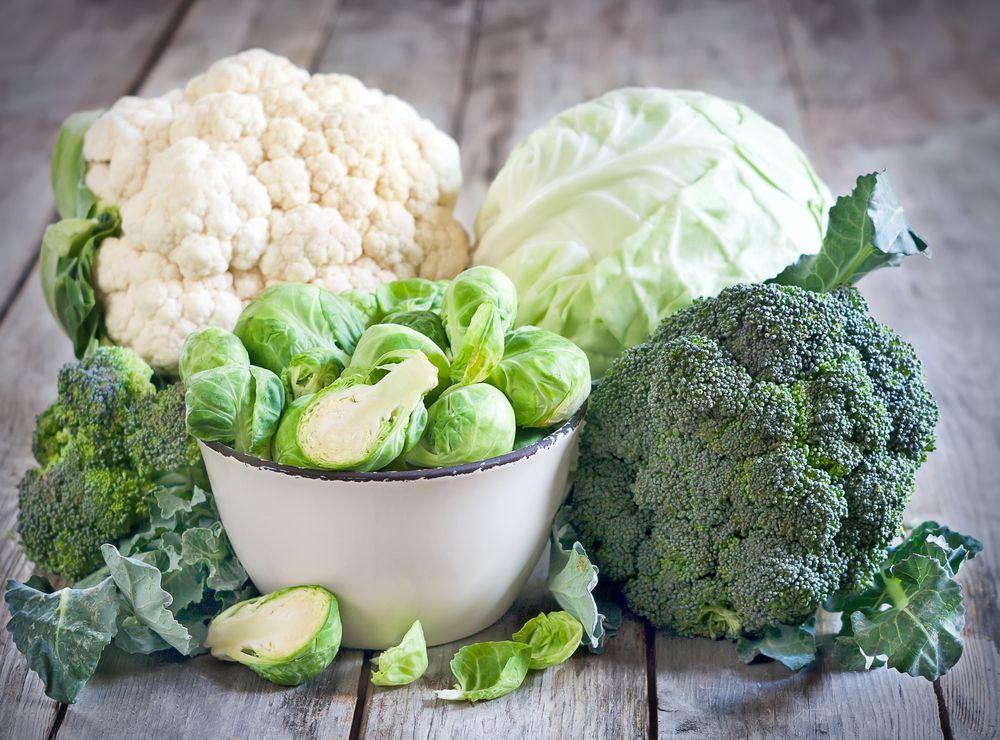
point(404, 475)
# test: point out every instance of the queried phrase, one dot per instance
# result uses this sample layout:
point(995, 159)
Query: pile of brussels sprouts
point(418, 374)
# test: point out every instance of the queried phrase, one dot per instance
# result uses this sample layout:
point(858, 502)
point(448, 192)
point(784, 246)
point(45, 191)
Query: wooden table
point(913, 86)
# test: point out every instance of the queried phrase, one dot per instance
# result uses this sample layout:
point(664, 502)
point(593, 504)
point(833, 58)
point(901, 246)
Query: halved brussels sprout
point(290, 318)
point(210, 347)
point(412, 294)
point(471, 289)
point(467, 423)
point(427, 323)
point(545, 376)
point(352, 425)
point(310, 371)
point(481, 347)
point(239, 406)
point(287, 636)
point(380, 339)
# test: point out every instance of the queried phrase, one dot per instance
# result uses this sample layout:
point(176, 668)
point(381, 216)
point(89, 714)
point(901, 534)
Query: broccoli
point(101, 449)
point(751, 458)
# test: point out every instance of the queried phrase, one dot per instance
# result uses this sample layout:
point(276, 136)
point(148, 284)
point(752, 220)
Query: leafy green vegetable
point(792, 645)
point(66, 265)
point(553, 638)
point(311, 371)
point(403, 663)
point(911, 616)
point(210, 348)
point(481, 347)
point(286, 637)
point(412, 294)
point(290, 318)
point(867, 231)
point(239, 405)
point(545, 376)
point(467, 423)
point(487, 670)
point(472, 289)
point(62, 634)
point(381, 339)
point(427, 323)
point(623, 209)
point(572, 579)
point(68, 167)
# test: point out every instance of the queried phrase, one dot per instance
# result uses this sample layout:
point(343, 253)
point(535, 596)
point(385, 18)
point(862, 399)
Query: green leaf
point(794, 646)
point(552, 637)
point(920, 633)
point(141, 589)
point(867, 230)
point(572, 579)
point(935, 540)
point(68, 167)
point(62, 634)
point(487, 670)
point(66, 270)
point(403, 663)
point(209, 545)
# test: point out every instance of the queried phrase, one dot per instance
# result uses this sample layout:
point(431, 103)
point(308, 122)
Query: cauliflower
point(257, 173)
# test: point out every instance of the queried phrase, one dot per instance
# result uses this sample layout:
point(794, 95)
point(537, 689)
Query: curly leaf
point(141, 589)
point(403, 663)
point(920, 632)
point(935, 540)
point(794, 646)
point(209, 545)
point(572, 579)
point(63, 633)
point(867, 230)
point(553, 638)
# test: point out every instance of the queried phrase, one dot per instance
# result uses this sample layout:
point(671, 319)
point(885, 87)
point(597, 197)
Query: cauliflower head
point(258, 173)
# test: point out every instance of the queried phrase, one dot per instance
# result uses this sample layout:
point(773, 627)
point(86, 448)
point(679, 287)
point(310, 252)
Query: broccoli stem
point(894, 590)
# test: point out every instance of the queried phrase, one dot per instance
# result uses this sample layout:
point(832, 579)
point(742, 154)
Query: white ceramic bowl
point(450, 546)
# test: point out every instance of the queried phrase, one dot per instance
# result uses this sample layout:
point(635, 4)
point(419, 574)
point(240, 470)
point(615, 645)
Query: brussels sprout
point(210, 347)
point(403, 663)
point(310, 371)
point(427, 323)
point(553, 638)
point(366, 304)
point(545, 376)
point(467, 423)
point(414, 294)
point(525, 436)
point(285, 446)
point(287, 636)
point(471, 289)
point(383, 338)
point(354, 425)
point(481, 347)
point(239, 406)
point(290, 318)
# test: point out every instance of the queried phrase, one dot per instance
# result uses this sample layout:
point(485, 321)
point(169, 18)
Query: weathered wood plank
point(932, 118)
point(706, 692)
point(415, 50)
point(588, 696)
point(54, 61)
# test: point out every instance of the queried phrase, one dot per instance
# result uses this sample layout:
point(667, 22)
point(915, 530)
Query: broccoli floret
point(751, 458)
point(101, 448)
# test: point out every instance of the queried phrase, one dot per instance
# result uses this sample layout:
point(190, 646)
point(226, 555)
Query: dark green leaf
point(935, 540)
point(62, 634)
point(920, 633)
point(794, 646)
point(867, 230)
point(209, 545)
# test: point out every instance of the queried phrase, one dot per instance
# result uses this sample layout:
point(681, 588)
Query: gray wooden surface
point(912, 86)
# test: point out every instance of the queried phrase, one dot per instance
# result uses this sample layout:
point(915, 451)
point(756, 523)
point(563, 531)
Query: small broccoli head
point(68, 510)
point(751, 458)
point(151, 438)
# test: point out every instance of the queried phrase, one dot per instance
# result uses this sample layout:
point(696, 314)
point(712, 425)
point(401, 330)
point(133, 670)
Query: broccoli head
point(101, 449)
point(751, 458)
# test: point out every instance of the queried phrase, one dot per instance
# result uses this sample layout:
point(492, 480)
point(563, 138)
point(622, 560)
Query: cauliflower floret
point(258, 173)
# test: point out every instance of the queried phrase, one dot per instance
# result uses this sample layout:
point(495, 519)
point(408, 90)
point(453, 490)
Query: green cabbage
point(624, 209)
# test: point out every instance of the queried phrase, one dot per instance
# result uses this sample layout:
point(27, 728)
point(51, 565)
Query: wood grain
point(54, 60)
point(589, 696)
point(933, 119)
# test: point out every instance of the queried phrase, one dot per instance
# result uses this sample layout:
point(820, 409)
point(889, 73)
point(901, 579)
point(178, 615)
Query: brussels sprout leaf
point(403, 663)
point(794, 646)
point(867, 230)
point(63, 633)
point(487, 670)
point(553, 638)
